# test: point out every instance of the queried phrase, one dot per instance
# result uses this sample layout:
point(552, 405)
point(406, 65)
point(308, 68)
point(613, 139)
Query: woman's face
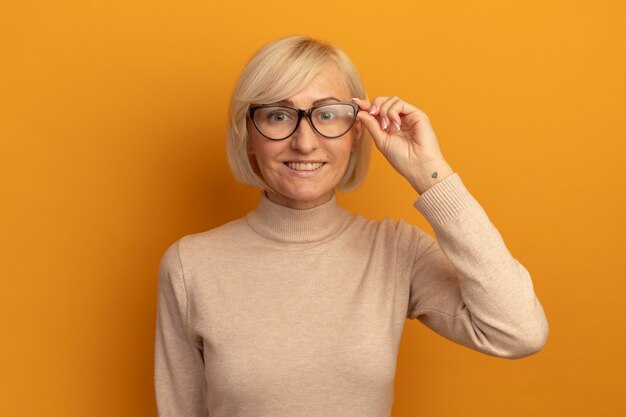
point(295, 185)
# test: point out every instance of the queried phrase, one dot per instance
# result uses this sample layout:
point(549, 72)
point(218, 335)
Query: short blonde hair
point(278, 70)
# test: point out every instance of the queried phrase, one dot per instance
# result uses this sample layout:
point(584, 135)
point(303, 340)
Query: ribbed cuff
point(444, 200)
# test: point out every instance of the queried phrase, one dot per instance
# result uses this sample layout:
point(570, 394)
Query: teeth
point(309, 166)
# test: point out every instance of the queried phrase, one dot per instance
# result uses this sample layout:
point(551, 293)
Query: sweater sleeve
point(179, 380)
point(466, 285)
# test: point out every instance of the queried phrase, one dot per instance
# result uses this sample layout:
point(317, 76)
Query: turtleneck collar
point(284, 224)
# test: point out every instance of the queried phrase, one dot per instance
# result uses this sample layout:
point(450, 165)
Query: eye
point(277, 116)
point(327, 115)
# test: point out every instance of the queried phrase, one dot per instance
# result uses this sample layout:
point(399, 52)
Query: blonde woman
point(298, 308)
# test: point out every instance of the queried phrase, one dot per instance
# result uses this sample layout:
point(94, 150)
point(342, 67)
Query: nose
point(305, 139)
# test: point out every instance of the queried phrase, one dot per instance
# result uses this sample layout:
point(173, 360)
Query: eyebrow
point(289, 102)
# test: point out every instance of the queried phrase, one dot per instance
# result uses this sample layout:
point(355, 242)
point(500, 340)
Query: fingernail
point(397, 126)
point(354, 99)
point(384, 123)
point(373, 109)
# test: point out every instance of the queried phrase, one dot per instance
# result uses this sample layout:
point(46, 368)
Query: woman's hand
point(405, 137)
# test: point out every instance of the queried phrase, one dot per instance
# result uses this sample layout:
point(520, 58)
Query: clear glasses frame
point(304, 113)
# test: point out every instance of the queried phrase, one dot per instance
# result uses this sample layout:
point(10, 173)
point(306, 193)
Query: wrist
point(429, 175)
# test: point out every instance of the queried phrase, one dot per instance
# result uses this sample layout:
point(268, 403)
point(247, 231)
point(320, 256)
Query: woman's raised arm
point(466, 285)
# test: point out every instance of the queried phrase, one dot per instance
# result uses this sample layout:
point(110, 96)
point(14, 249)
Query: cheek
point(256, 142)
point(253, 141)
point(262, 153)
point(255, 153)
point(342, 158)
point(255, 145)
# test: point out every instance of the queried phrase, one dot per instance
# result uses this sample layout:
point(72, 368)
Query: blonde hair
point(278, 70)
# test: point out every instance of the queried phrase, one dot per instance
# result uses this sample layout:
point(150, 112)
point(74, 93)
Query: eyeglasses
point(278, 122)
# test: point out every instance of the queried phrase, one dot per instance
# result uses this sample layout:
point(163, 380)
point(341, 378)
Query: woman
point(298, 308)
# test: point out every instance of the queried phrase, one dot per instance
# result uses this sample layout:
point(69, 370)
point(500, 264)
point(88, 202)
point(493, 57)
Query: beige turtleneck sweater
point(300, 312)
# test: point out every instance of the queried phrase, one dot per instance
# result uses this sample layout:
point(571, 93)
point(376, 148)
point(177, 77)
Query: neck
point(285, 224)
point(297, 204)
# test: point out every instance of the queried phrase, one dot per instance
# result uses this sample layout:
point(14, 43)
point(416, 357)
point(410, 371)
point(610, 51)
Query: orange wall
point(112, 126)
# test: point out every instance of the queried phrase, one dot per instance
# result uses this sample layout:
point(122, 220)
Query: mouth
point(304, 166)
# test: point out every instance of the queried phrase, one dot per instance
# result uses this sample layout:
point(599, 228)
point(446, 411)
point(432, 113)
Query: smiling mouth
point(304, 166)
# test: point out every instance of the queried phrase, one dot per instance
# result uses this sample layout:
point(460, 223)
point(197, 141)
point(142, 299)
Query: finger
point(366, 106)
point(406, 113)
point(375, 105)
point(377, 102)
point(373, 126)
point(395, 118)
point(395, 111)
point(384, 109)
point(363, 104)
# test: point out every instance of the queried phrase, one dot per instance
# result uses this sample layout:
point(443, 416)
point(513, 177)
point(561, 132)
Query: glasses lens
point(275, 122)
point(333, 120)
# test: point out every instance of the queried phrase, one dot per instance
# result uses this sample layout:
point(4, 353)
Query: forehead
point(328, 82)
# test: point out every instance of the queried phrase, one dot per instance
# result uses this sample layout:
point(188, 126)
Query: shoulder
point(387, 230)
point(195, 245)
point(225, 234)
point(395, 241)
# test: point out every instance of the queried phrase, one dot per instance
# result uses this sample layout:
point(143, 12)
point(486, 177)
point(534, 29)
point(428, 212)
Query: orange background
point(113, 122)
